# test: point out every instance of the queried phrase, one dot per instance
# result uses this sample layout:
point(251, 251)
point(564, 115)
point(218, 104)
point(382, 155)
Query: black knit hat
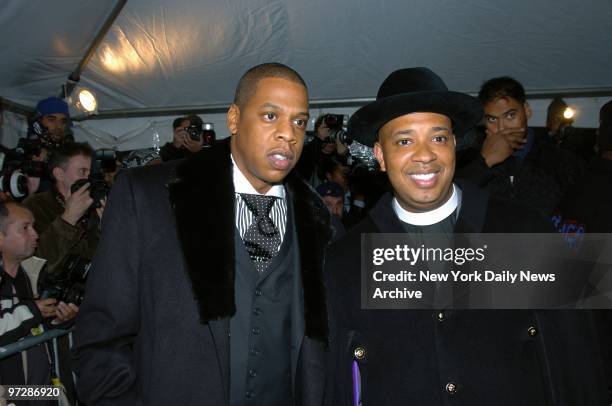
point(414, 90)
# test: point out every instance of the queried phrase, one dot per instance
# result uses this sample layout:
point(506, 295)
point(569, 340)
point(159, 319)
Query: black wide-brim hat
point(414, 90)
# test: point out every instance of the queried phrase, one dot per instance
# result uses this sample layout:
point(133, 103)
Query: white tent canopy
point(161, 58)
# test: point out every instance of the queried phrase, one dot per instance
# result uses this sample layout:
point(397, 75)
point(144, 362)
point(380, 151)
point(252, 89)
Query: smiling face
point(268, 131)
point(417, 151)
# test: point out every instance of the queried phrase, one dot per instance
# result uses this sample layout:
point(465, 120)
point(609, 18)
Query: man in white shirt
point(207, 288)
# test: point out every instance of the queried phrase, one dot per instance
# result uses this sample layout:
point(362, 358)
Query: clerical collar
point(429, 217)
point(242, 184)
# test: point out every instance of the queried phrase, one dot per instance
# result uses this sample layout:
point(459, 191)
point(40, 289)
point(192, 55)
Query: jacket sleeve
point(472, 167)
point(108, 320)
point(55, 236)
point(17, 320)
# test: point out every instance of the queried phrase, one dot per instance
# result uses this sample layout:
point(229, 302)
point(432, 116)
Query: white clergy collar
point(242, 184)
point(429, 217)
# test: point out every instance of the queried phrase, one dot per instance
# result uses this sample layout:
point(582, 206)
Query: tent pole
point(15, 107)
point(75, 76)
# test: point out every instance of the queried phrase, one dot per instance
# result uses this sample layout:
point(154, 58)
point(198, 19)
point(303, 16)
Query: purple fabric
point(356, 384)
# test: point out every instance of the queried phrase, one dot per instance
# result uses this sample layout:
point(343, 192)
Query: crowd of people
point(227, 272)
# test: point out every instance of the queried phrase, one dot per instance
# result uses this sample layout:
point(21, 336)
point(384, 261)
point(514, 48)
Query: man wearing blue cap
point(53, 117)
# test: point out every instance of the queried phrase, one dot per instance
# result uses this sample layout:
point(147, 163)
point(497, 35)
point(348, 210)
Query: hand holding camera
point(193, 140)
point(77, 204)
point(333, 135)
point(62, 312)
point(199, 135)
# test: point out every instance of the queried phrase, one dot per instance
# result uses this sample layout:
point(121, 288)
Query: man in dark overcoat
point(207, 285)
point(443, 356)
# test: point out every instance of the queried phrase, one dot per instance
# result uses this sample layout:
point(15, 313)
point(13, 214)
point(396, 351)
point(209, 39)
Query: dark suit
point(154, 326)
point(462, 357)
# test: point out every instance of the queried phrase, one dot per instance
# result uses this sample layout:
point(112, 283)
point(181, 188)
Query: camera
point(17, 164)
point(28, 147)
point(204, 130)
point(337, 126)
point(103, 161)
point(194, 131)
point(335, 121)
point(68, 285)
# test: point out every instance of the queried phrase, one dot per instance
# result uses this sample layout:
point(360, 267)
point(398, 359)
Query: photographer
point(327, 141)
point(47, 130)
point(20, 312)
point(326, 128)
point(183, 143)
point(64, 219)
point(50, 126)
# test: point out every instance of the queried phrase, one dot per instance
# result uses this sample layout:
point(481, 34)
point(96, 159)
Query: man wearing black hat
point(442, 356)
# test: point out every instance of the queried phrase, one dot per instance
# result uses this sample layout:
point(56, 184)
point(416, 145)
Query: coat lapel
point(384, 217)
point(202, 196)
point(204, 212)
point(314, 232)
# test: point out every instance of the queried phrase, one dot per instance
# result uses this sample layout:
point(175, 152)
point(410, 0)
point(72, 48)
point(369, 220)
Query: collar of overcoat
point(203, 199)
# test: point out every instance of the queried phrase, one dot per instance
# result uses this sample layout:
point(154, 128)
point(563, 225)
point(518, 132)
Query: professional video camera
point(337, 126)
point(68, 285)
point(17, 164)
point(204, 130)
point(102, 162)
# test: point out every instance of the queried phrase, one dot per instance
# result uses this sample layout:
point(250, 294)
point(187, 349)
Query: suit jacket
point(154, 325)
point(462, 357)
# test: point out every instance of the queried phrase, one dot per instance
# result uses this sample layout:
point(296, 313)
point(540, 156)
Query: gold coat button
point(451, 388)
point(359, 353)
point(532, 331)
point(441, 316)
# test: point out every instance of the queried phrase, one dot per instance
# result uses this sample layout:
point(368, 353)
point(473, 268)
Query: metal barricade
point(29, 342)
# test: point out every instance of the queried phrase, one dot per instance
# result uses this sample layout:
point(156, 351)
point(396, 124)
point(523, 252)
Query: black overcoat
point(154, 325)
point(463, 357)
